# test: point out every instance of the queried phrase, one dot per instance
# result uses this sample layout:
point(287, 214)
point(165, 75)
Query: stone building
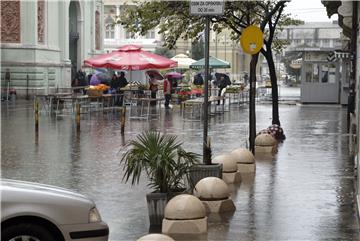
point(44, 42)
point(115, 35)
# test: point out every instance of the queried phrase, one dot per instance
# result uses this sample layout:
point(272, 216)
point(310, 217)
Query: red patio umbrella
point(130, 57)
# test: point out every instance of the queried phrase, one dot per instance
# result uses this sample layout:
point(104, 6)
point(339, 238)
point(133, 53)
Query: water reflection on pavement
point(305, 192)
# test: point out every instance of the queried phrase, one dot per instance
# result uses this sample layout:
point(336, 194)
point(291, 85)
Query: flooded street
point(304, 192)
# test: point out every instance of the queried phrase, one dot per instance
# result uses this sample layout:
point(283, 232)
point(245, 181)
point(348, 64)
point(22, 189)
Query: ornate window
point(150, 34)
point(109, 28)
point(10, 21)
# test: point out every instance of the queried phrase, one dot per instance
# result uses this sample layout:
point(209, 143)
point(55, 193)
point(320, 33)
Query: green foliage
point(164, 52)
point(174, 21)
point(197, 49)
point(162, 158)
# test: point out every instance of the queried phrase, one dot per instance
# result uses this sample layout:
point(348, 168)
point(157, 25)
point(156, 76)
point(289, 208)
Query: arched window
point(109, 28)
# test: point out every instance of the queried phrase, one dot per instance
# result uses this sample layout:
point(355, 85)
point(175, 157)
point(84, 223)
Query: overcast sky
point(309, 11)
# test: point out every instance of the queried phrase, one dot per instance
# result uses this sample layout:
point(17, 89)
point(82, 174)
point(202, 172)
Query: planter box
point(156, 206)
point(201, 171)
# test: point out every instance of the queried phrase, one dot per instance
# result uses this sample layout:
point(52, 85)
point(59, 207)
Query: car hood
point(41, 189)
point(59, 204)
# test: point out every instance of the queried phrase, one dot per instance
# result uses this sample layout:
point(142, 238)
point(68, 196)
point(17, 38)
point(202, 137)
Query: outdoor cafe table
point(194, 107)
point(46, 101)
point(143, 108)
point(73, 100)
point(105, 101)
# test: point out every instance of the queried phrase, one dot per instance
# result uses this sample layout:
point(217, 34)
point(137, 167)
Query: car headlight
point(94, 215)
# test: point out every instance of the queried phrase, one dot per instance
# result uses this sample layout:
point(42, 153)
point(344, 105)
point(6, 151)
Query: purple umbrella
point(94, 80)
point(174, 75)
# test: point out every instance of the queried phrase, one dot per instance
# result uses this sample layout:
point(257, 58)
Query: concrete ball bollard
point(214, 194)
point(265, 143)
point(230, 169)
point(155, 237)
point(245, 160)
point(184, 214)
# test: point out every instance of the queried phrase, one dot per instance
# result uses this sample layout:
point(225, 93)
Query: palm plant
point(162, 159)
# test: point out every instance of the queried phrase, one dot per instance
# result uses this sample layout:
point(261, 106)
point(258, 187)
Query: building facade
point(349, 21)
point(115, 35)
point(321, 79)
point(43, 42)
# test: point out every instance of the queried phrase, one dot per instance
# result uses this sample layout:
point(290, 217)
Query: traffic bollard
point(122, 119)
point(78, 115)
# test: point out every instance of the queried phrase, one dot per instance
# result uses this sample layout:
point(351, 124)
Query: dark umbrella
point(226, 78)
point(156, 74)
point(174, 75)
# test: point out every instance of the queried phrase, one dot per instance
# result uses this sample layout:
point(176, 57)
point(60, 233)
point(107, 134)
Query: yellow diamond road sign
point(252, 39)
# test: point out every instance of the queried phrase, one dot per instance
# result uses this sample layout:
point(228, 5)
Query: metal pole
point(252, 94)
point(36, 114)
point(206, 158)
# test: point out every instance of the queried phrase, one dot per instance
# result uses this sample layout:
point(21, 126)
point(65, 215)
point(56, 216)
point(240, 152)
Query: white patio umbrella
point(183, 61)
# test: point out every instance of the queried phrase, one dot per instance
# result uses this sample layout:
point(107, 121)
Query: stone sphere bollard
point(155, 237)
point(230, 169)
point(184, 214)
point(245, 160)
point(265, 143)
point(214, 194)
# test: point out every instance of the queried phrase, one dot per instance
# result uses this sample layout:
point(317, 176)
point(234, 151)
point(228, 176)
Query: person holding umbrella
point(153, 87)
point(167, 92)
point(222, 84)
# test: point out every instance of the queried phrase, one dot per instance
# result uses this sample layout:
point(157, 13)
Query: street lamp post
point(206, 93)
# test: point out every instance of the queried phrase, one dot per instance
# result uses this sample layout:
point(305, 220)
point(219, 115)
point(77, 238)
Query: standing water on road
point(304, 192)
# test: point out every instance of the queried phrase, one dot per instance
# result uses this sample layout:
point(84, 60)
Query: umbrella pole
point(206, 156)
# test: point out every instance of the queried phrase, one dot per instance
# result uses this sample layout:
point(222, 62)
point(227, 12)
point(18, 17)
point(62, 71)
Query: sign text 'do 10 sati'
point(198, 7)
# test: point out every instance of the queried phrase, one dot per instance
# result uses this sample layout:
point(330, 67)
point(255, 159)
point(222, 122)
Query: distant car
point(37, 212)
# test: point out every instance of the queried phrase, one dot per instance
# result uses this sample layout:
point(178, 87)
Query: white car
point(37, 212)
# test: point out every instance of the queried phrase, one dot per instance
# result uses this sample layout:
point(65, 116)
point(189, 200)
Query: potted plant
point(166, 164)
point(206, 169)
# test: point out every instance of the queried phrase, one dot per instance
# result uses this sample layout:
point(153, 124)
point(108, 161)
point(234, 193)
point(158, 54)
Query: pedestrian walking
point(153, 88)
point(167, 93)
point(222, 84)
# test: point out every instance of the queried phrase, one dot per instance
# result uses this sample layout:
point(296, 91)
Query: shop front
point(320, 79)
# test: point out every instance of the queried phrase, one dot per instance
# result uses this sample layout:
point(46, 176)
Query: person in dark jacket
point(122, 80)
point(79, 80)
point(118, 82)
point(222, 84)
point(198, 79)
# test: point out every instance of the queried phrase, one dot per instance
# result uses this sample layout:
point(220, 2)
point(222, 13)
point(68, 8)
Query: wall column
point(117, 26)
point(29, 20)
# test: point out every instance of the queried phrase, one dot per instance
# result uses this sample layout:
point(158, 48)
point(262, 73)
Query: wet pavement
point(304, 192)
